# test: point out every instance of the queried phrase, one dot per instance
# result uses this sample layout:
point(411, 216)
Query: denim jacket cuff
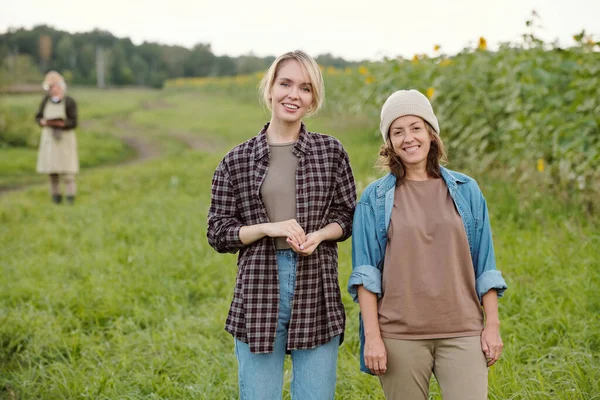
point(490, 280)
point(367, 276)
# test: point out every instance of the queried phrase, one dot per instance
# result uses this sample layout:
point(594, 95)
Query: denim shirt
point(370, 237)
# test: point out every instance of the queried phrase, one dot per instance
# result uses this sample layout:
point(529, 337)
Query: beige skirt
point(57, 155)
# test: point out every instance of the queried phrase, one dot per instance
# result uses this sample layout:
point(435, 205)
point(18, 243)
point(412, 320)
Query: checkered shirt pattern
point(325, 193)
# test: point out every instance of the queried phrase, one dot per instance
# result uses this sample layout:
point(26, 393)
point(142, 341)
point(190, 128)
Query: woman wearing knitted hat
point(283, 199)
point(57, 155)
point(423, 265)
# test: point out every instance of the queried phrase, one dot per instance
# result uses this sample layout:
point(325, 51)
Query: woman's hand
point(331, 231)
point(491, 343)
point(313, 240)
point(289, 228)
point(43, 122)
point(376, 355)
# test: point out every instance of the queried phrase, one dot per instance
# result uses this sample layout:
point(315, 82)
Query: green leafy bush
point(530, 110)
point(18, 127)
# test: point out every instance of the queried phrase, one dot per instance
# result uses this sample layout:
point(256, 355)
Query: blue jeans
point(260, 376)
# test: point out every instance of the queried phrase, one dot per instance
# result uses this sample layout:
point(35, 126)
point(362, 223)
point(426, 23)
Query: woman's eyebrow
point(282, 78)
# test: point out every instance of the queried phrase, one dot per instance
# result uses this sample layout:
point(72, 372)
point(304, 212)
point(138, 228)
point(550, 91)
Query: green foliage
point(329, 60)
point(119, 72)
point(224, 66)
point(531, 110)
point(97, 145)
point(17, 126)
point(249, 63)
point(18, 68)
point(148, 64)
point(17, 164)
point(200, 61)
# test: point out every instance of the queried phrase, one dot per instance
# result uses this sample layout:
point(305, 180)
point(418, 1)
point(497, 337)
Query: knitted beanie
point(406, 102)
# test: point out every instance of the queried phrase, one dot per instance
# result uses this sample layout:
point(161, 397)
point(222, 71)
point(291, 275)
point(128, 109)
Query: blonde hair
point(311, 68)
point(54, 78)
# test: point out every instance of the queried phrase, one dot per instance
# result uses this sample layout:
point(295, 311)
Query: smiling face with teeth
point(411, 140)
point(291, 94)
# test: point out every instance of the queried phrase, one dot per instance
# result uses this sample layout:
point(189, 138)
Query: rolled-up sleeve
point(367, 254)
point(223, 222)
point(490, 280)
point(367, 276)
point(486, 274)
point(344, 198)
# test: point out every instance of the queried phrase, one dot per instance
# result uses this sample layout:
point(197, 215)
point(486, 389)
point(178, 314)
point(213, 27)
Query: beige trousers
point(458, 364)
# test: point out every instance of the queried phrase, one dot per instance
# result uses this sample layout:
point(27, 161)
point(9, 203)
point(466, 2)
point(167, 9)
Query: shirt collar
point(451, 178)
point(386, 183)
point(302, 144)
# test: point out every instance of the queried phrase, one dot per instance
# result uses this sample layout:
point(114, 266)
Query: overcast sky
point(353, 29)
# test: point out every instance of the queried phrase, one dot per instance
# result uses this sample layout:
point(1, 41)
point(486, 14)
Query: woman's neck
point(416, 174)
point(281, 132)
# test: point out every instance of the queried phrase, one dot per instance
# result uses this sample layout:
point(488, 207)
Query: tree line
point(85, 57)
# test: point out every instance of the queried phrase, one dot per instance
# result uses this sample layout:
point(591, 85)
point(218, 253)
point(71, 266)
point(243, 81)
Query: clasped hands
point(302, 243)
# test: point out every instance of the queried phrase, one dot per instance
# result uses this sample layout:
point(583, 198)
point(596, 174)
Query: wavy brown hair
point(390, 161)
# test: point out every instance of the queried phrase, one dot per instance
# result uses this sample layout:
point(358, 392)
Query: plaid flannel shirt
point(325, 193)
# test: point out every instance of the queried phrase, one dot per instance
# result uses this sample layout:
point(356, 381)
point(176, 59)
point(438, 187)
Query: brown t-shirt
point(428, 279)
point(278, 190)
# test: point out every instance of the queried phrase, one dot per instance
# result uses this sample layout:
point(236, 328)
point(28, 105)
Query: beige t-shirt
point(278, 190)
point(428, 278)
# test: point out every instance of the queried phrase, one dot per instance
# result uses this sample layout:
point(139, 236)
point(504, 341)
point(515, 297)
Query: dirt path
point(146, 148)
point(196, 142)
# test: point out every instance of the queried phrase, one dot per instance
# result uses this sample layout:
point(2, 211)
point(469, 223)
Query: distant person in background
point(283, 199)
point(423, 265)
point(57, 154)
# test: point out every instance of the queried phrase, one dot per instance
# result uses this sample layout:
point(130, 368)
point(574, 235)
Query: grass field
point(98, 141)
point(120, 296)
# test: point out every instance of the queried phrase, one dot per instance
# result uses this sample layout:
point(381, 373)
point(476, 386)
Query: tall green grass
point(96, 135)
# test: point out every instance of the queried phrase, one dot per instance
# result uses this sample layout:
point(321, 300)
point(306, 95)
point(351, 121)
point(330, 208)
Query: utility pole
point(100, 67)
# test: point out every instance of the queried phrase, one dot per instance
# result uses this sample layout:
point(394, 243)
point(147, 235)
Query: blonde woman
point(423, 266)
point(283, 199)
point(57, 155)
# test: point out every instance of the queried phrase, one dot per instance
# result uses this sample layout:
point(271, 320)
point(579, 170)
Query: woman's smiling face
point(411, 141)
point(292, 93)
